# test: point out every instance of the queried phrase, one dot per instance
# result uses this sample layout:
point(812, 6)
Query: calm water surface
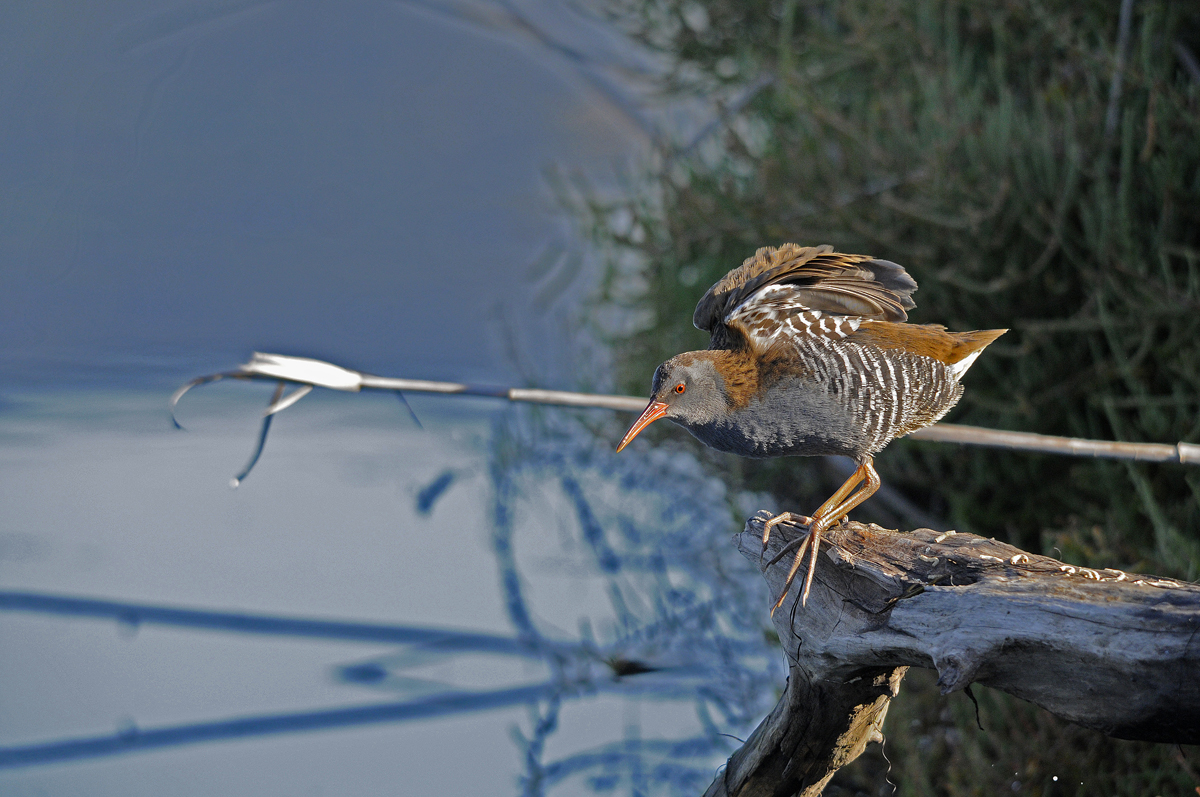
point(102, 499)
point(184, 183)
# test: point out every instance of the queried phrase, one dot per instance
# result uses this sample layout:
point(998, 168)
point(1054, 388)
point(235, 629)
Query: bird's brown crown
point(744, 374)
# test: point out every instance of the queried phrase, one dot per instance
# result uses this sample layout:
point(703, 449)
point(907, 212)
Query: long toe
point(812, 567)
point(772, 521)
point(800, 542)
point(791, 576)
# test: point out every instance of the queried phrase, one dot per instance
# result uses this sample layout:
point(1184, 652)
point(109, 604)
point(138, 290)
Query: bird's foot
point(848, 496)
point(773, 521)
point(816, 527)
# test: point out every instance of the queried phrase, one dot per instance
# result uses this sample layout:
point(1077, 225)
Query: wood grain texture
point(1116, 652)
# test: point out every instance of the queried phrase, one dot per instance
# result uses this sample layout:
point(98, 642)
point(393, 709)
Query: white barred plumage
point(810, 355)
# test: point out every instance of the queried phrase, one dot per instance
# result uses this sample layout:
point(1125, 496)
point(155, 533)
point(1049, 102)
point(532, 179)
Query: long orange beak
point(654, 411)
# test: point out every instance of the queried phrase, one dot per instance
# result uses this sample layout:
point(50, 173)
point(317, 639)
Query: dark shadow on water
point(136, 614)
point(651, 526)
point(430, 493)
point(131, 739)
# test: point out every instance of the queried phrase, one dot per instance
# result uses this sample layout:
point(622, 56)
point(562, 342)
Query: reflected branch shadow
point(137, 614)
point(652, 526)
point(133, 739)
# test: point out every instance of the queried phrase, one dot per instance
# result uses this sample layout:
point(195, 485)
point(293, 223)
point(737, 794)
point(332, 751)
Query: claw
point(831, 513)
point(802, 545)
point(782, 517)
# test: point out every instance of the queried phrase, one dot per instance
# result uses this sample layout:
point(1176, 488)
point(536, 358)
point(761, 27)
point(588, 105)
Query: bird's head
point(688, 390)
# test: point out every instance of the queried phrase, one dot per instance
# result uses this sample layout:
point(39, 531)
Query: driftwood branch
point(1108, 650)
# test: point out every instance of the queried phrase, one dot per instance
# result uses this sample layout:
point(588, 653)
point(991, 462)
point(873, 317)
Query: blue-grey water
point(103, 500)
point(182, 183)
point(362, 181)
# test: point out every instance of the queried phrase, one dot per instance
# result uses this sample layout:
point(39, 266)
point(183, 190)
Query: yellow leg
point(823, 521)
point(805, 520)
point(843, 491)
point(840, 495)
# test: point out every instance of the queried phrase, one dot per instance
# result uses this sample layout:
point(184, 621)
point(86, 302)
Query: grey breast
point(796, 416)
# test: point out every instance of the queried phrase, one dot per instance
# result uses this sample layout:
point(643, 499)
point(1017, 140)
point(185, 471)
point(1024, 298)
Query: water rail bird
point(810, 355)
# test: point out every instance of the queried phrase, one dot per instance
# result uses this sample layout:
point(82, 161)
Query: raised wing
point(781, 290)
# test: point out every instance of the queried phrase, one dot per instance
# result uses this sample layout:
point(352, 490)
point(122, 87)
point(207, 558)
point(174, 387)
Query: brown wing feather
point(821, 279)
point(926, 340)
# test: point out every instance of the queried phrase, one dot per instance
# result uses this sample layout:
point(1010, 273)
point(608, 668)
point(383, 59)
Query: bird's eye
point(680, 388)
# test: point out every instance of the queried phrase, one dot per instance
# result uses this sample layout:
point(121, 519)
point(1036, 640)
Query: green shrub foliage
point(1032, 167)
point(1035, 165)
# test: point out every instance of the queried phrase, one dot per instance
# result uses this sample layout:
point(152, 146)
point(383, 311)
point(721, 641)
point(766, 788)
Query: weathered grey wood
point(1112, 651)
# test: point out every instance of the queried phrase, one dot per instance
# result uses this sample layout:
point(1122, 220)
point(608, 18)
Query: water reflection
point(654, 530)
point(362, 182)
point(589, 578)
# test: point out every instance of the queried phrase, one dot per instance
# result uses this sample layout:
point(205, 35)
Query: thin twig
point(316, 373)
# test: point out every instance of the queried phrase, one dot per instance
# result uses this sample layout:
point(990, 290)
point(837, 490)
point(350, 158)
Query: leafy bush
point(1028, 177)
point(1035, 165)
